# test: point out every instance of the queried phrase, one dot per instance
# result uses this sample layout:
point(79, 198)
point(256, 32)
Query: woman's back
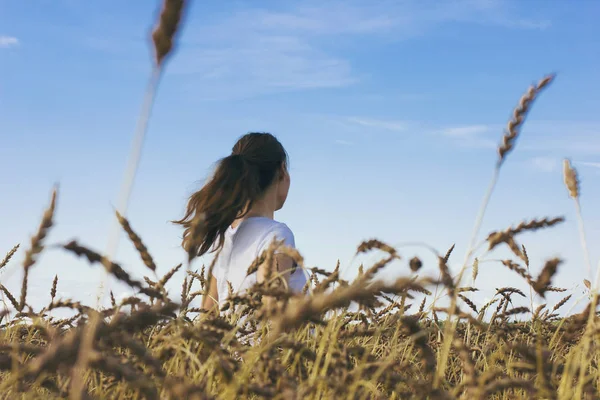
point(243, 244)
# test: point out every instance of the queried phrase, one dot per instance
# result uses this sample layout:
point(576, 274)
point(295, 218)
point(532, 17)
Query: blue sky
point(391, 112)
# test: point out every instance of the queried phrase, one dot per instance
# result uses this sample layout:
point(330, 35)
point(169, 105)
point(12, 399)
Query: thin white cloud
point(258, 64)
point(545, 143)
point(590, 164)
point(476, 136)
point(501, 13)
point(320, 18)
point(464, 136)
point(476, 143)
point(378, 123)
point(251, 51)
point(255, 51)
point(547, 140)
point(8, 41)
point(400, 19)
point(465, 131)
point(344, 142)
point(545, 164)
point(561, 138)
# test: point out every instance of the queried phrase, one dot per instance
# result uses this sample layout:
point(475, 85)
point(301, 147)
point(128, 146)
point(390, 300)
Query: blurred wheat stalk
point(163, 37)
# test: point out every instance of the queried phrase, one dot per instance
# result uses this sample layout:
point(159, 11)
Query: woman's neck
point(259, 209)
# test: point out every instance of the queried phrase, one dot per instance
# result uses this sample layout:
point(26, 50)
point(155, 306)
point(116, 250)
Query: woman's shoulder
point(261, 228)
point(275, 230)
point(280, 227)
point(266, 225)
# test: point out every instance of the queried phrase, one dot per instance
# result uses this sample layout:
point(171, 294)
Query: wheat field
point(359, 339)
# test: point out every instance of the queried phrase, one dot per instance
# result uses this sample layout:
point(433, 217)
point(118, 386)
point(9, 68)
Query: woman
point(238, 205)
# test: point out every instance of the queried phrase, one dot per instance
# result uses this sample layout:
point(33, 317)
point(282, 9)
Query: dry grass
point(355, 340)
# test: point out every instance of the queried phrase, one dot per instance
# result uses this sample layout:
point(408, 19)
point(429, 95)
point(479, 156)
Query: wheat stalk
point(508, 142)
point(163, 37)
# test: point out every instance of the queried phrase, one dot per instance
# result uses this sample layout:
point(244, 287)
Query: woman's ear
point(283, 172)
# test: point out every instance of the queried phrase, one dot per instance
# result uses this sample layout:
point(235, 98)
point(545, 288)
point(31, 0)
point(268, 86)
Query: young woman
point(239, 204)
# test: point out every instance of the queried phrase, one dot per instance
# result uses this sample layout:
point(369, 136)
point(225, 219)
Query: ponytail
point(227, 196)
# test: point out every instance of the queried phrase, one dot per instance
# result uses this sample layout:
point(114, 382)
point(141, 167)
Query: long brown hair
point(239, 180)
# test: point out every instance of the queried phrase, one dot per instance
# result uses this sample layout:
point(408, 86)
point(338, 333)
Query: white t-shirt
point(242, 245)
